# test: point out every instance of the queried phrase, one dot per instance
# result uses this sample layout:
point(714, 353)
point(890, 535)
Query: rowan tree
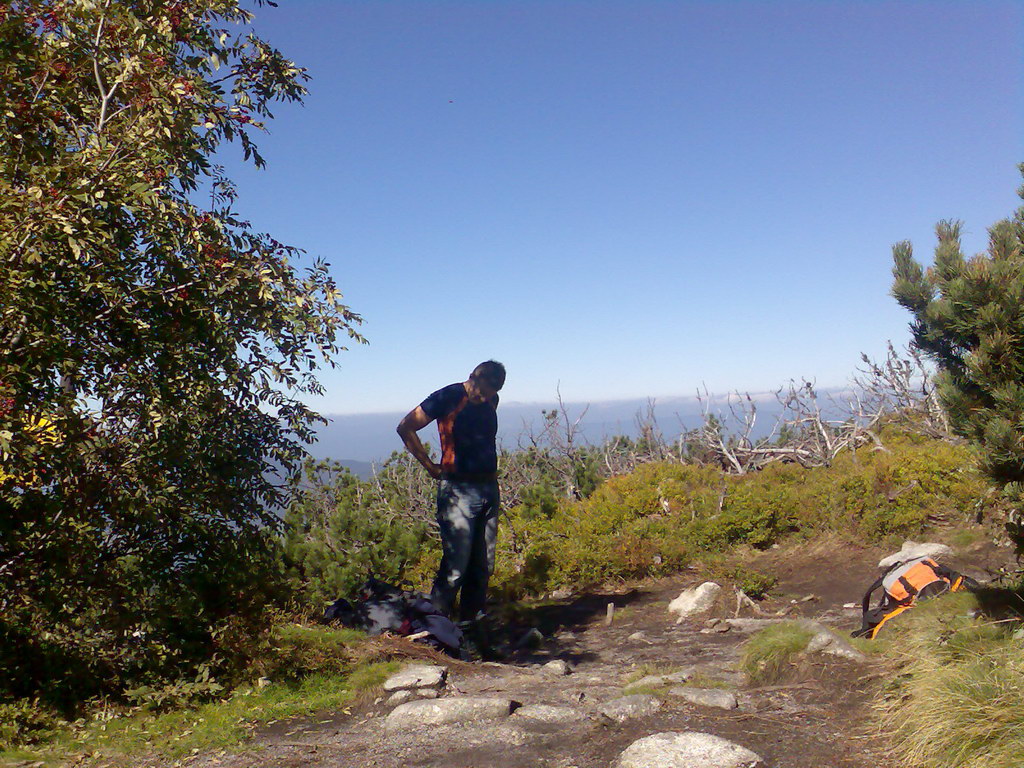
point(969, 318)
point(153, 345)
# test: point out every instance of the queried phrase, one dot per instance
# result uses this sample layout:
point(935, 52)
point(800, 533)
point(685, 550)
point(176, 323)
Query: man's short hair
point(492, 372)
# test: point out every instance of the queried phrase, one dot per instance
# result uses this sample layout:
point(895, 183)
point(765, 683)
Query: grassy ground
point(956, 695)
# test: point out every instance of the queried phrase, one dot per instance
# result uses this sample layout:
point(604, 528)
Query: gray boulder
point(694, 601)
point(441, 711)
point(706, 697)
point(688, 749)
point(625, 707)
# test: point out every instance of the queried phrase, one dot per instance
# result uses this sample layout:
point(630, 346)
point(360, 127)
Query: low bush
point(656, 519)
point(298, 670)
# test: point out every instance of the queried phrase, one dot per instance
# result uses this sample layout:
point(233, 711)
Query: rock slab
point(688, 749)
point(416, 676)
point(670, 678)
point(443, 711)
point(706, 697)
point(624, 708)
point(544, 713)
point(695, 601)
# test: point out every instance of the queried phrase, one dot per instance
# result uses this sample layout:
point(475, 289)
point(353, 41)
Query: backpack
point(903, 585)
point(381, 607)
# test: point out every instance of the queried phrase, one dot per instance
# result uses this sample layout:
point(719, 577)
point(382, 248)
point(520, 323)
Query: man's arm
point(415, 420)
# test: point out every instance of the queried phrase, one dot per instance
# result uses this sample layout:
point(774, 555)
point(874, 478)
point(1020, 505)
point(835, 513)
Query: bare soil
point(817, 717)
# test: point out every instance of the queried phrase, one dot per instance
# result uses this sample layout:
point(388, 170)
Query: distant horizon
point(371, 437)
point(714, 396)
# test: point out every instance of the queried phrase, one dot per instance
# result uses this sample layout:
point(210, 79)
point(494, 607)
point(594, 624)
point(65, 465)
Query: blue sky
point(631, 199)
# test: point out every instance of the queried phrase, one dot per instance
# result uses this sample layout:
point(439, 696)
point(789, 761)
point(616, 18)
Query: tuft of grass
point(769, 653)
point(957, 700)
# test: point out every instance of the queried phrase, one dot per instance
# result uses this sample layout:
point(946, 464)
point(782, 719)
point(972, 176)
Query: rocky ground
point(629, 692)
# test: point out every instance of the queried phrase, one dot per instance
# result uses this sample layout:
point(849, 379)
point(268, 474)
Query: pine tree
point(968, 317)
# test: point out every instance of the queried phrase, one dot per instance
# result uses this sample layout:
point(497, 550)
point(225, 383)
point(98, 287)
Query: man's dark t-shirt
point(467, 431)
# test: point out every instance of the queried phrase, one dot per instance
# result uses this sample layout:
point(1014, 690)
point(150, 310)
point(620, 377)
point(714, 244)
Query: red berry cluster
point(6, 405)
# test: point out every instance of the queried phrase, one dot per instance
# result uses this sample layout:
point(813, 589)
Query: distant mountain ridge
point(370, 437)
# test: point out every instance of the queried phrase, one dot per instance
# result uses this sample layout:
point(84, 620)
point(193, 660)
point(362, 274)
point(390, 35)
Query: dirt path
point(815, 720)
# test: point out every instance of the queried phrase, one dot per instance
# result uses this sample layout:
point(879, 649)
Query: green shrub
point(25, 722)
point(336, 533)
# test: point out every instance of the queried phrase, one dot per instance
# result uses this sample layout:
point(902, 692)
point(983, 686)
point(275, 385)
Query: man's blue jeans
point(467, 519)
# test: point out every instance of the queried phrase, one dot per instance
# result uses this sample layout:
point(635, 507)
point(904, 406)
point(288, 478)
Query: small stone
point(556, 668)
point(625, 707)
point(561, 593)
point(442, 711)
point(706, 697)
point(417, 676)
point(638, 637)
point(689, 749)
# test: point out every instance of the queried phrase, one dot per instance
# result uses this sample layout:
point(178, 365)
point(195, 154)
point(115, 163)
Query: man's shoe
point(475, 642)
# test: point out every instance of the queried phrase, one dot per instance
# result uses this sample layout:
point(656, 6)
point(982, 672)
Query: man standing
point(467, 491)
